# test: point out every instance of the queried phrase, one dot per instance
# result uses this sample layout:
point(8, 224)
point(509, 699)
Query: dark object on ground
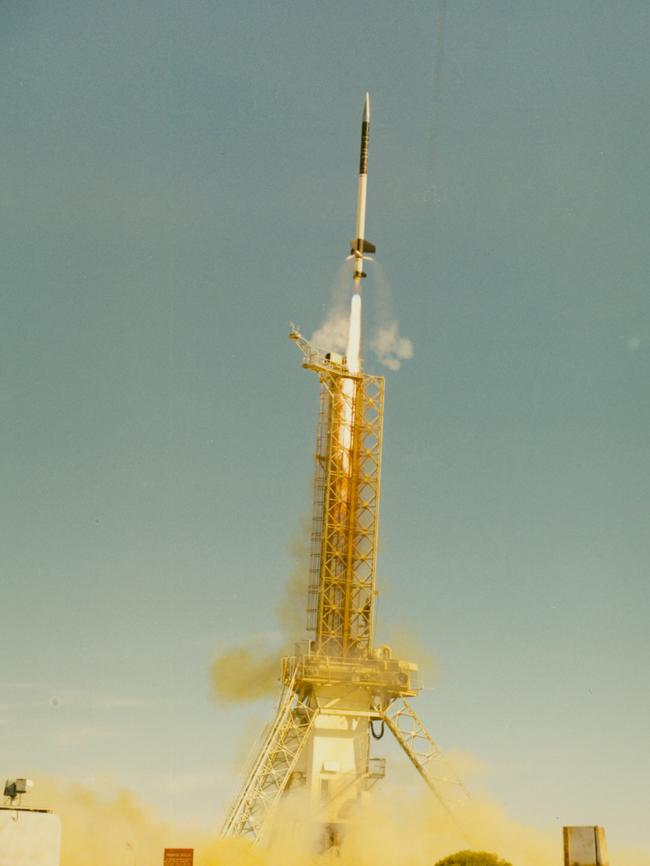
point(472, 858)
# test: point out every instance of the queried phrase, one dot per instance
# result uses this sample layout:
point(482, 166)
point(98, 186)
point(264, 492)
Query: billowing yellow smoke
point(102, 830)
point(114, 829)
point(291, 610)
point(252, 671)
point(397, 828)
point(245, 673)
point(407, 645)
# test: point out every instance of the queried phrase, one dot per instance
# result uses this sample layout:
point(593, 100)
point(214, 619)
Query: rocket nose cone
point(366, 109)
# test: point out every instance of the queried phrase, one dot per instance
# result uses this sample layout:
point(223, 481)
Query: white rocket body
point(359, 245)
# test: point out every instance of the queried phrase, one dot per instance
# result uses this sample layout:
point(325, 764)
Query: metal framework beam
point(270, 773)
point(346, 513)
point(426, 756)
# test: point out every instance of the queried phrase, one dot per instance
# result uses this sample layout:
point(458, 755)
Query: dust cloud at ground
point(396, 828)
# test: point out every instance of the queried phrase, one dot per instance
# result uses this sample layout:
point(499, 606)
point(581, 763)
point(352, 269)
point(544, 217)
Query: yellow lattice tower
point(346, 510)
point(338, 685)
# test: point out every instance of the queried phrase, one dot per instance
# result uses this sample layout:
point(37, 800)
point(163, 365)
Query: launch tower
point(339, 691)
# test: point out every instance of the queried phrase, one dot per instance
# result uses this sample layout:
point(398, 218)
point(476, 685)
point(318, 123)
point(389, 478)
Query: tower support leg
point(271, 770)
point(426, 756)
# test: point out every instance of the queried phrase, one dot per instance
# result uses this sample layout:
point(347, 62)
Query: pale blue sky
point(178, 182)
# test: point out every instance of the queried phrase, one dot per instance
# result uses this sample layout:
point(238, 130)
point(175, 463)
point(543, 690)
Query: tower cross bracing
point(337, 685)
point(345, 514)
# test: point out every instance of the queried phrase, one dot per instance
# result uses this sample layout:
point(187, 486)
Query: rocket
point(359, 245)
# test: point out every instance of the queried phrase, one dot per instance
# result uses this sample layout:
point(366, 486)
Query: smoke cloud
point(406, 644)
point(291, 610)
point(389, 347)
point(384, 339)
point(251, 671)
point(245, 674)
point(332, 336)
point(398, 828)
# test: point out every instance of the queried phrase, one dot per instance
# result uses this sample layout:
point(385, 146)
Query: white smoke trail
point(332, 336)
point(349, 386)
point(390, 347)
point(386, 343)
point(354, 334)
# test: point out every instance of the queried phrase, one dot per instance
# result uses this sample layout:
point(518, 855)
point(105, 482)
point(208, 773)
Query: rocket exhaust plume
point(381, 335)
point(354, 334)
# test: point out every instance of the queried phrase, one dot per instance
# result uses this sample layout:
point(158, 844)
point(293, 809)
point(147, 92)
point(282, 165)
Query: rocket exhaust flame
point(353, 356)
point(354, 334)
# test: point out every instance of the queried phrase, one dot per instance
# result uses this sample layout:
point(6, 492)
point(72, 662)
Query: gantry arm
point(425, 755)
point(272, 768)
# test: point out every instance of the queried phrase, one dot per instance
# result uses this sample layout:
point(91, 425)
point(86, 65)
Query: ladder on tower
point(273, 765)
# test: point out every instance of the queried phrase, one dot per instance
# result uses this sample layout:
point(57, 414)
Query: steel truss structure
point(268, 776)
point(345, 513)
point(340, 659)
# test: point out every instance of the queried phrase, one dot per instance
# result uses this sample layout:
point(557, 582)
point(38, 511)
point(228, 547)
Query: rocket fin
point(360, 245)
